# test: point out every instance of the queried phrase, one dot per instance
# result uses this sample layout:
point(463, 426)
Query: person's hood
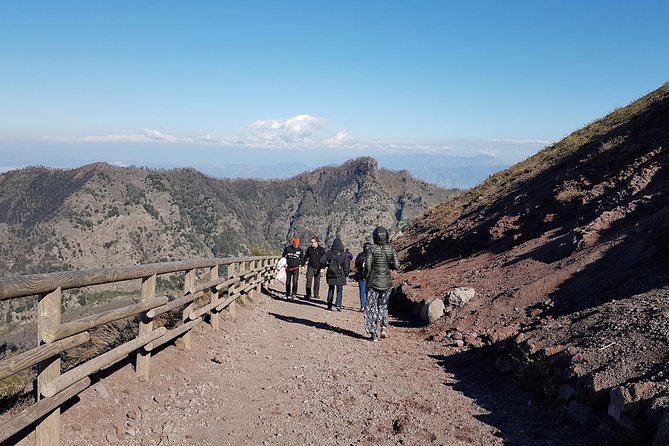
point(337, 245)
point(366, 246)
point(380, 235)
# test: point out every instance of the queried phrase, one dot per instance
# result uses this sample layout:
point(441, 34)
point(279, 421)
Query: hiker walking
point(379, 260)
point(337, 270)
point(294, 255)
point(360, 274)
point(312, 260)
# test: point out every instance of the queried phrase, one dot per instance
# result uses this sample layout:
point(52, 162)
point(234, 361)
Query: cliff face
point(100, 215)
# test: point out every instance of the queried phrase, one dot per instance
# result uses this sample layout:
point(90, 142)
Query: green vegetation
point(224, 244)
point(113, 212)
point(14, 385)
point(263, 251)
point(148, 207)
point(93, 298)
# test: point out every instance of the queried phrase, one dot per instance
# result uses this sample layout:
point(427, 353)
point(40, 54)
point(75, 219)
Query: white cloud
point(339, 139)
point(160, 136)
point(295, 130)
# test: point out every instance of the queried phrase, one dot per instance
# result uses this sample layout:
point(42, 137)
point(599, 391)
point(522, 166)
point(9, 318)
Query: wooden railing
point(199, 302)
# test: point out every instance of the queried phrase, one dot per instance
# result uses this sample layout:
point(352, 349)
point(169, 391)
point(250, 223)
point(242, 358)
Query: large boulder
point(424, 310)
point(458, 297)
point(435, 310)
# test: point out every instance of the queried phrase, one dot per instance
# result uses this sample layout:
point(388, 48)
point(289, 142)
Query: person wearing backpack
point(380, 259)
point(337, 271)
point(360, 274)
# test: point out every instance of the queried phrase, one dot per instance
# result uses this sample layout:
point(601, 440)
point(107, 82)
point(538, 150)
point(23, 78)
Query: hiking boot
point(338, 308)
point(374, 337)
point(330, 308)
point(384, 333)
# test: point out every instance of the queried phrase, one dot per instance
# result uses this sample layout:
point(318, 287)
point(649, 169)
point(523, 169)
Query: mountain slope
point(100, 215)
point(568, 253)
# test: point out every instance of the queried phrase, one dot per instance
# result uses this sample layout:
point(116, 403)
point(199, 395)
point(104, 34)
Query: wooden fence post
point(232, 308)
point(189, 285)
point(258, 265)
point(143, 359)
point(213, 316)
point(47, 432)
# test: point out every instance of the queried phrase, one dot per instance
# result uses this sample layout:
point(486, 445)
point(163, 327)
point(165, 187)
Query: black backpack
point(334, 268)
point(360, 266)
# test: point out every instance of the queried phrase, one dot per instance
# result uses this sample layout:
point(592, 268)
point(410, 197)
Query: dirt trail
point(291, 372)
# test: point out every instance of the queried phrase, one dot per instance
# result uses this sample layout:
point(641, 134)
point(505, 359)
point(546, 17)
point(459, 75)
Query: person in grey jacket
point(380, 259)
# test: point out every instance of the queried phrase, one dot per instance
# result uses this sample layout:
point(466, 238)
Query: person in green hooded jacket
point(380, 259)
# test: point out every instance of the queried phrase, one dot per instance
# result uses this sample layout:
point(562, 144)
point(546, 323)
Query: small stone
point(101, 391)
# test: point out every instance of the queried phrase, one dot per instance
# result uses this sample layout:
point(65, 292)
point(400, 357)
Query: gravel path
point(291, 372)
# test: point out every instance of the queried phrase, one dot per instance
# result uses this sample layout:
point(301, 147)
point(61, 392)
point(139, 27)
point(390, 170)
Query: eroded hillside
point(101, 215)
point(569, 255)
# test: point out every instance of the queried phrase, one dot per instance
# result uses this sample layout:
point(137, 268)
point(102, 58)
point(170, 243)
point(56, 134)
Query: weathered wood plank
point(104, 360)
point(227, 301)
point(176, 303)
point(214, 320)
point(47, 432)
point(33, 413)
point(28, 359)
point(28, 285)
point(189, 284)
point(86, 323)
point(143, 358)
point(171, 334)
point(227, 283)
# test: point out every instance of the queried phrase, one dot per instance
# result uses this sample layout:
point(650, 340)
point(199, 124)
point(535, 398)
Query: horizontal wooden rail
point(244, 275)
point(171, 334)
point(227, 283)
point(83, 324)
point(19, 286)
point(38, 410)
point(227, 301)
point(176, 303)
point(28, 359)
point(104, 360)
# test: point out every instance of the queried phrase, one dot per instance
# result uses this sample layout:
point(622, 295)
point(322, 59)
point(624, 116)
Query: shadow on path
point(319, 325)
point(521, 416)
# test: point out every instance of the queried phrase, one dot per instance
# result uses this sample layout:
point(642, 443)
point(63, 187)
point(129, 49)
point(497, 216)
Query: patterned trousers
point(376, 309)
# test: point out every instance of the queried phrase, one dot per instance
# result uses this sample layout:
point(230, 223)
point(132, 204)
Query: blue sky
point(271, 81)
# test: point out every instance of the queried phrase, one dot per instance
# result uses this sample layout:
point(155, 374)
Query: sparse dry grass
point(503, 183)
point(568, 194)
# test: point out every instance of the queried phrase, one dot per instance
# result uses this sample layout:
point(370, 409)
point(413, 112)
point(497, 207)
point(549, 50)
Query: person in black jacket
point(312, 260)
point(360, 274)
point(337, 271)
point(380, 259)
point(294, 256)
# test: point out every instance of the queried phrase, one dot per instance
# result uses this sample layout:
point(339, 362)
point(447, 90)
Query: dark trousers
point(291, 281)
point(340, 292)
point(313, 276)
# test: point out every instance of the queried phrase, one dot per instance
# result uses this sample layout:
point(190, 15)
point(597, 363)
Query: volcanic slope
point(568, 254)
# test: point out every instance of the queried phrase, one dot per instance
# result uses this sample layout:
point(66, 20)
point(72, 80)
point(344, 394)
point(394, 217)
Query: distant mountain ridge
point(101, 215)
